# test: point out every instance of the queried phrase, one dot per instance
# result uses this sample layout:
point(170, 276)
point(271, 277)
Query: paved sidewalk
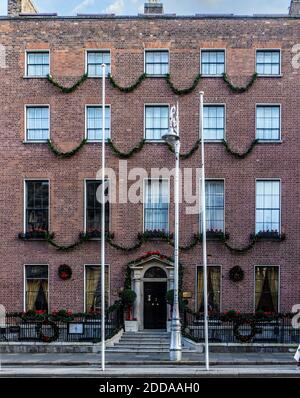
point(216, 359)
point(148, 372)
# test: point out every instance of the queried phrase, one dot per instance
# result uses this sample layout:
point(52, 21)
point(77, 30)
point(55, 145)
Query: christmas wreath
point(236, 274)
point(242, 337)
point(64, 272)
point(45, 338)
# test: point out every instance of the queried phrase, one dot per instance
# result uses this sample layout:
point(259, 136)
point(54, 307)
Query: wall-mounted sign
point(75, 328)
point(187, 295)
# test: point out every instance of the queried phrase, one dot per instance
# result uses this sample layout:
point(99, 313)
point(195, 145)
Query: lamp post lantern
point(172, 138)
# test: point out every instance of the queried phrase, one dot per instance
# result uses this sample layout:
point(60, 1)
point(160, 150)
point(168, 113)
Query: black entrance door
point(155, 305)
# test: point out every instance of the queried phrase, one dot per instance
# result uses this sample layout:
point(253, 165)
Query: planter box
point(131, 326)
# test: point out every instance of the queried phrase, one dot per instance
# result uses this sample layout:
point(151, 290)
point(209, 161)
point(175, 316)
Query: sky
point(180, 7)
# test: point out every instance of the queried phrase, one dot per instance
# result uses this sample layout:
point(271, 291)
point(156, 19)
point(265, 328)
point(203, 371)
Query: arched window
point(155, 272)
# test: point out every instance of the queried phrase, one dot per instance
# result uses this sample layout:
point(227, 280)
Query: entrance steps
point(143, 342)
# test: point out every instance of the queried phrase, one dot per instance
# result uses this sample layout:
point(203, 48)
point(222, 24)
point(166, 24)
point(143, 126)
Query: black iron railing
point(242, 328)
point(49, 328)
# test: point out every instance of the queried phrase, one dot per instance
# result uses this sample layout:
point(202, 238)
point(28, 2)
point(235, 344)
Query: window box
point(216, 235)
point(34, 235)
point(156, 235)
point(269, 235)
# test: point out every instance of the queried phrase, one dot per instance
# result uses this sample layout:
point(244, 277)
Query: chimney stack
point(17, 7)
point(294, 8)
point(153, 7)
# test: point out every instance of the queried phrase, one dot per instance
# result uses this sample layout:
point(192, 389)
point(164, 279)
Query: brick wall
point(127, 38)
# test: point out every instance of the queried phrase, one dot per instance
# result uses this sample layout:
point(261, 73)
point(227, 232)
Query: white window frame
point(213, 49)
point(24, 284)
point(26, 140)
point(86, 119)
point(280, 61)
point(157, 50)
point(200, 214)
point(280, 199)
point(95, 50)
point(144, 198)
point(161, 141)
point(25, 202)
point(221, 285)
point(84, 282)
point(225, 122)
point(26, 76)
point(279, 141)
point(279, 284)
point(85, 202)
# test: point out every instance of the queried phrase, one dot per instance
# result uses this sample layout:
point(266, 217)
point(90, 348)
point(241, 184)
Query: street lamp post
point(172, 138)
point(203, 202)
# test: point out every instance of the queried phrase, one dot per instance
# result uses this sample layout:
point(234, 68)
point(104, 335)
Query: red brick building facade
point(247, 204)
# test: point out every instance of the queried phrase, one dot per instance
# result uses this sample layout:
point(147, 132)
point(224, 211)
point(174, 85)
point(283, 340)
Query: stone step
point(147, 345)
point(140, 351)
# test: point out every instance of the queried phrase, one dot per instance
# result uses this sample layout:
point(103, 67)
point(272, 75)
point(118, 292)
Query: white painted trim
point(144, 198)
point(26, 106)
point(154, 105)
point(225, 122)
point(25, 202)
point(26, 64)
point(95, 50)
point(157, 50)
point(84, 281)
point(213, 49)
point(85, 180)
point(280, 199)
point(85, 124)
point(280, 61)
point(279, 285)
point(24, 284)
point(280, 121)
point(221, 285)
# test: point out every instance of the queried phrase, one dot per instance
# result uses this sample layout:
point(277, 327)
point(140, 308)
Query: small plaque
point(76, 328)
point(187, 295)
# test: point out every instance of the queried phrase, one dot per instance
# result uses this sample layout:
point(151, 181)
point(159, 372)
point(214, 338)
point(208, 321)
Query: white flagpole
point(103, 227)
point(203, 201)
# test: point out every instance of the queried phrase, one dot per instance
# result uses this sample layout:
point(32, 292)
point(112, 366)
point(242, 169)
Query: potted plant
point(128, 298)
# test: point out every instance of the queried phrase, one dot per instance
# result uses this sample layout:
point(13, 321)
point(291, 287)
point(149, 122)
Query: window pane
point(156, 122)
point(38, 64)
point(268, 62)
point(37, 123)
point(93, 288)
point(268, 122)
point(156, 205)
point(94, 61)
point(214, 289)
point(37, 202)
point(213, 62)
point(94, 123)
point(267, 206)
point(93, 208)
point(214, 122)
point(157, 62)
point(266, 289)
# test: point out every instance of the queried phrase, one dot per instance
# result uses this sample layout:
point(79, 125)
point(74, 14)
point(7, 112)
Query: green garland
point(239, 89)
point(126, 155)
point(67, 90)
point(128, 89)
point(144, 238)
point(138, 82)
point(187, 155)
point(183, 91)
point(240, 155)
point(68, 154)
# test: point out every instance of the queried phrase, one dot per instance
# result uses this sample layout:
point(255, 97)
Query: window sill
point(270, 142)
point(157, 76)
point(147, 141)
point(213, 76)
point(97, 77)
point(35, 142)
point(267, 76)
point(96, 142)
point(213, 141)
point(35, 77)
